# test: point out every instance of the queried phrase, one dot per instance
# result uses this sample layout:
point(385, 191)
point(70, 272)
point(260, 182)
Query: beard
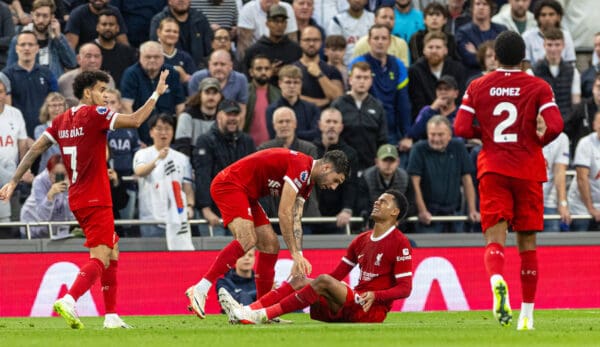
point(41, 28)
point(261, 80)
point(98, 5)
point(310, 54)
point(180, 12)
point(108, 36)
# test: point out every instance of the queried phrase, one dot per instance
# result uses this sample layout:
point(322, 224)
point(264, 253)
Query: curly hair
point(88, 79)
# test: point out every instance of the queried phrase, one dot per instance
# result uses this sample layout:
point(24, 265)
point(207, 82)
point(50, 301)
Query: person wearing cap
point(275, 44)
point(199, 115)
point(253, 16)
point(385, 174)
point(446, 93)
point(437, 167)
point(233, 84)
point(425, 72)
point(223, 144)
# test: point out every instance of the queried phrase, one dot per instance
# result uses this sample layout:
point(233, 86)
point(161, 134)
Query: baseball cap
point(229, 106)
point(449, 80)
point(209, 82)
point(387, 151)
point(277, 11)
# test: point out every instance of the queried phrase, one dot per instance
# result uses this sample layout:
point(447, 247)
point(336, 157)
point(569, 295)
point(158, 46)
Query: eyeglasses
point(56, 105)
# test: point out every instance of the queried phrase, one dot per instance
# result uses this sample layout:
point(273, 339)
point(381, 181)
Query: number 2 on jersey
point(499, 135)
point(72, 151)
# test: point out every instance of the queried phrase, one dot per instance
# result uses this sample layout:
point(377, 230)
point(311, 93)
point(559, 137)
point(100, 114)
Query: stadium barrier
point(153, 283)
point(306, 220)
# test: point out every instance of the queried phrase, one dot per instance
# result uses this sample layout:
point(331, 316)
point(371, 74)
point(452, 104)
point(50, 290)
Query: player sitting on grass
point(384, 258)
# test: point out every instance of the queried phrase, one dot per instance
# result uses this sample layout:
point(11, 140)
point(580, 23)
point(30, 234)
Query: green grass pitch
point(474, 328)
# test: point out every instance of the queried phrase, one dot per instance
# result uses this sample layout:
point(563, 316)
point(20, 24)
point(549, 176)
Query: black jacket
point(331, 202)
point(214, 152)
point(421, 87)
point(365, 129)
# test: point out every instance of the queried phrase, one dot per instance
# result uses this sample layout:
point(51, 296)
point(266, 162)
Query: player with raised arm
point(516, 116)
point(236, 190)
point(81, 135)
point(384, 257)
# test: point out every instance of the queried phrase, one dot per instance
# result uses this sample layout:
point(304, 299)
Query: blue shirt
point(29, 90)
point(235, 89)
point(406, 24)
point(390, 87)
point(137, 86)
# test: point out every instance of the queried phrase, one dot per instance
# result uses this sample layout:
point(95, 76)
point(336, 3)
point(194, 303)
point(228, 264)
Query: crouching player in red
point(517, 116)
point(384, 257)
point(81, 135)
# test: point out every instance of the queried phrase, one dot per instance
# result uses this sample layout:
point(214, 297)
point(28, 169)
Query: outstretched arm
point(38, 147)
point(137, 118)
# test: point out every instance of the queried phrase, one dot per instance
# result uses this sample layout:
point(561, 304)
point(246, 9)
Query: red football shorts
point(351, 311)
point(520, 202)
point(233, 202)
point(98, 224)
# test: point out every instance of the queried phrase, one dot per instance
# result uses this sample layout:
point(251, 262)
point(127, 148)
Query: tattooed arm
point(297, 213)
point(290, 215)
point(38, 147)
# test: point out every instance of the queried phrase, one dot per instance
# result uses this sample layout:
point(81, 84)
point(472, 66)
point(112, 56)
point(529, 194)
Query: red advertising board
point(153, 283)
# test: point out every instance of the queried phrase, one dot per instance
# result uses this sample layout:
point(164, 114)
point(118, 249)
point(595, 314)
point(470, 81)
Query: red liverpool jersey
point(505, 104)
point(81, 134)
point(264, 173)
point(381, 260)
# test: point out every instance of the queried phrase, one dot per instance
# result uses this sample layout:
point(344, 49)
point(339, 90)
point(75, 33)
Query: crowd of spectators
point(380, 80)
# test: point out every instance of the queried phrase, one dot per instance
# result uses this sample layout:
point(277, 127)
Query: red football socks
point(265, 273)
point(293, 302)
point(225, 260)
point(494, 259)
point(109, 287)
point(529, 275)
point(88, 274)
point(273, 297)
